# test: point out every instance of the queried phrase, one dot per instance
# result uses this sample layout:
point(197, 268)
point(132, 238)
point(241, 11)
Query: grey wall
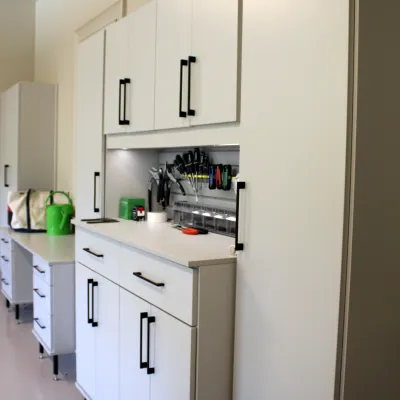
point(373, 340)
point(17, 36)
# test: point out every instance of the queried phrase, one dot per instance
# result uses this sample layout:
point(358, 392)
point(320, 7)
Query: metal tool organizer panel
point(210, 198)
point(127, 175)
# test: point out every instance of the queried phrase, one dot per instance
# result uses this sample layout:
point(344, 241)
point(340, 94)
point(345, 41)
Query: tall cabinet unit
point(129, 72)
point(27, 140)
point(89, 159)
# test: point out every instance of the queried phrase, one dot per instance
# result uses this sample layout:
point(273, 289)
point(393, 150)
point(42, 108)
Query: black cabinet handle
point(5, 282)
point(93, 253)
point(5, 259)
point(38, 293)
point(95, 208)
point(4, 241)
point(5, 175)
point(150, 370)
point(142, 364)
point(191, 112)
point(182, 114)
point(40, 326)
point(140, 276)
point(121, 120)
point(125, 121)
point(90, 320)
point(39, 270)
point(240, 186)
point(94, 324)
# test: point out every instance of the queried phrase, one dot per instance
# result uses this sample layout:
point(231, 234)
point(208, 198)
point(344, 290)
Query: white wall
point(56, 23)
point(17, 33)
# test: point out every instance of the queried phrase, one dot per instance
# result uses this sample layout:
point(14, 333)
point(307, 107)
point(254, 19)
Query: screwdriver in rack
point(196, 166)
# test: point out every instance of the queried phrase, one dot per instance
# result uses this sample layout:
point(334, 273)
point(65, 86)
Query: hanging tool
point(192, 230)
point(212, 185)
point(218, 175)
point(168, 169)
point(196, 166)
point(154, 178)
point(203, 167)
point(179, 164)
point(188, 160)
point(227, 177)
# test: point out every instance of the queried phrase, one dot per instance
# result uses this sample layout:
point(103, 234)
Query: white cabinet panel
point(133, 381)
point(214, 81)
point(142, 58)
point(89, 128)
point(106, 315)
point(172, 355)
point(85, 345)
point(174, 19)
point(116, 69)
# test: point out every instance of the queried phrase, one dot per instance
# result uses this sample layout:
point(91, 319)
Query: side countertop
point(164, 241)
point(53, 249)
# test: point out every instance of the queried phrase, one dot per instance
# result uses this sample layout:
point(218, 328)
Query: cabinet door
point(89, 128)
point(142, 59)
point(174, 19)
point(106, 315)
point(9, 148)
point(85, 353)
point(134, 383)
point(172, 355)
point(215, 73)
point(116, 69)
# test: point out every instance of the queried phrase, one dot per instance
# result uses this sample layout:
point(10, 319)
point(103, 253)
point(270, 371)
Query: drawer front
point(42, 270)
point(5, 240)
point(98, 254)
point(42, 294)
point(6, 278)
point(169, 286)
point(42, 325)
point(5, 252)
point(5, 258)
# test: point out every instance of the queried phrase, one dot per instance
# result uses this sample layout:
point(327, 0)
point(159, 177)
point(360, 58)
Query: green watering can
point(58, 216)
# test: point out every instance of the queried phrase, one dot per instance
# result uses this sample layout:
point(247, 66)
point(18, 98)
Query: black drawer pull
point(40, 326)
point(142, 364)
point(5, 282)
point(93, 253)
point(4, 241)
point(5, 259)
point(240, 186)
point(150, 370)
point(94, 323)
point(140, 276)
point(5, 175)
point(39, 294)
point(38, 269)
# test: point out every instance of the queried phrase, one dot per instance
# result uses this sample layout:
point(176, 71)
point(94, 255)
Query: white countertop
point(53, 249)
point(164, 241)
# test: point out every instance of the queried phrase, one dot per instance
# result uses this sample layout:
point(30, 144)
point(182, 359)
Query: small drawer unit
point(167, 285)
point(42, 269)
point(98, 254)
point(6, 280)
point(43, 325)
point(42, 294)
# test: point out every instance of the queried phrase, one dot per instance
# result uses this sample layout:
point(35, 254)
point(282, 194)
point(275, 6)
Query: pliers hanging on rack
point(155, 177)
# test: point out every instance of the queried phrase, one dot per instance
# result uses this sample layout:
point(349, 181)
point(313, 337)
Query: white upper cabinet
point(172, 64)
point(129, 72)
point(116, 71)
point(173, 49)
point(142, 59)
point(89, 128)
point(197, 62)
point(214, 81)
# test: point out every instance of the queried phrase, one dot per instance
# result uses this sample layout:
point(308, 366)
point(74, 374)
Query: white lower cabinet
point(97, 316)
point(157, 353)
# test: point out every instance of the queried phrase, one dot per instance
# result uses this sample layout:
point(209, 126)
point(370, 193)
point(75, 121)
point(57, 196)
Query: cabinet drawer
point(41, 294)
point(169, 286)
point(5, 256)
point(5, 240)
point(6, 279)
point(42, 325)
point(42, 270)
point(98, 254)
